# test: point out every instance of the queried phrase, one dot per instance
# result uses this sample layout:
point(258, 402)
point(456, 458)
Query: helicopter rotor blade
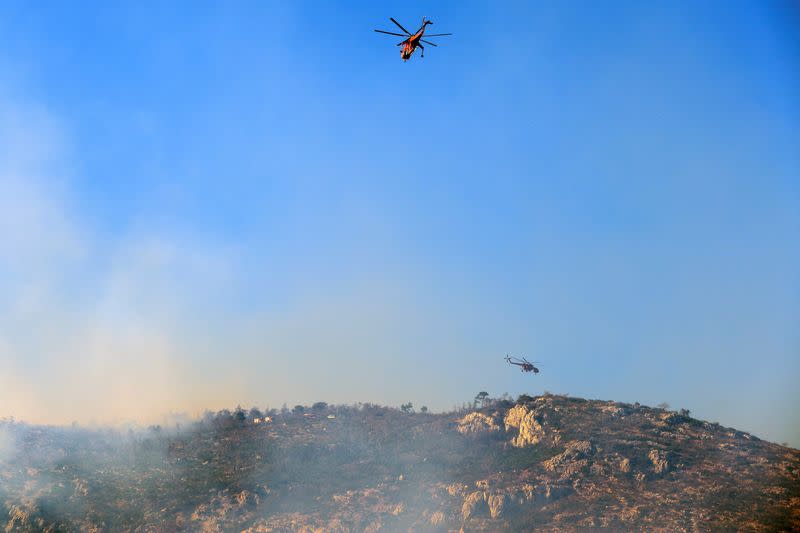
point(390, 33)
point(437, 34)
point(399, 25)
point(428, 42)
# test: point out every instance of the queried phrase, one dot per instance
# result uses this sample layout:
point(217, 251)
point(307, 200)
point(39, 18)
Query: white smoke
point(89, 330)
point(100, 329)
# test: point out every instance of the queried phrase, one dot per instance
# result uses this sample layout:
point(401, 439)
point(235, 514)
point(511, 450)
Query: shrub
point(524, 398)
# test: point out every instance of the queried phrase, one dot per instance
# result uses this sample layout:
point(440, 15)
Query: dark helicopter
point(524, 364)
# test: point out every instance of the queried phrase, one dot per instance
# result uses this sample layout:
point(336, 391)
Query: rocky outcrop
point(615, 410)
point(477, 422)
point(474, 505)
point(527, 424)
point(552, 492)
point(574, 460)
point(660, 461)
point(455, 489)
point(224, 508)
point(496, 504)
point(483, 503)
point(499, 503)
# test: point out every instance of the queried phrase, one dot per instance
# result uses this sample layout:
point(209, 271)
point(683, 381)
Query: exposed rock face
point(437, 518)
point(474, 505)
point(561, 464)
point(659, 460)
point(481, 503)
point(477, 422)
point(524, 420)
point(575, 459)
point(497, 504)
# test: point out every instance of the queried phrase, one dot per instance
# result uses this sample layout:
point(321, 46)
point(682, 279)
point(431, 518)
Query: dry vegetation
point(544, 463)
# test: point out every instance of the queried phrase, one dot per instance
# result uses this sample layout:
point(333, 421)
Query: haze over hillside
point(546, 463)
point(211, 203)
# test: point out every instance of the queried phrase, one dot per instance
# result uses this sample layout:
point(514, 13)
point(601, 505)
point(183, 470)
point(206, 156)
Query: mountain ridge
point(549, 463)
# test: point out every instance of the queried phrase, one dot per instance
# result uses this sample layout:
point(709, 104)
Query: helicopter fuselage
point(411, 44)
point(525, 365)
point(412, 41)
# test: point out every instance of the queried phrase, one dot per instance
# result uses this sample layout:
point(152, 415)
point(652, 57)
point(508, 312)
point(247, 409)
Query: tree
point(223, 419)
point(663, 405)
point(482, 399)
point(423, 409)
point(319, 406)
point(298, 409)
point(255, 413)
point(407, 407)
point(239, 414)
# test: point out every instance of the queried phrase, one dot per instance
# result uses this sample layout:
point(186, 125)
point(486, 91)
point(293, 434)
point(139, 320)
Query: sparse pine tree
point(481, 399)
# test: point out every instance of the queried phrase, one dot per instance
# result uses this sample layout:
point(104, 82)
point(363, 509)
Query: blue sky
point(207, 204)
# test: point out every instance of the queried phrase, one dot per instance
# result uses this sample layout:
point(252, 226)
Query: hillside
point(549, 463)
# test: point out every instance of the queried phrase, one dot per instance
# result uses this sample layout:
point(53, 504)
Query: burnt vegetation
point(546, 462)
